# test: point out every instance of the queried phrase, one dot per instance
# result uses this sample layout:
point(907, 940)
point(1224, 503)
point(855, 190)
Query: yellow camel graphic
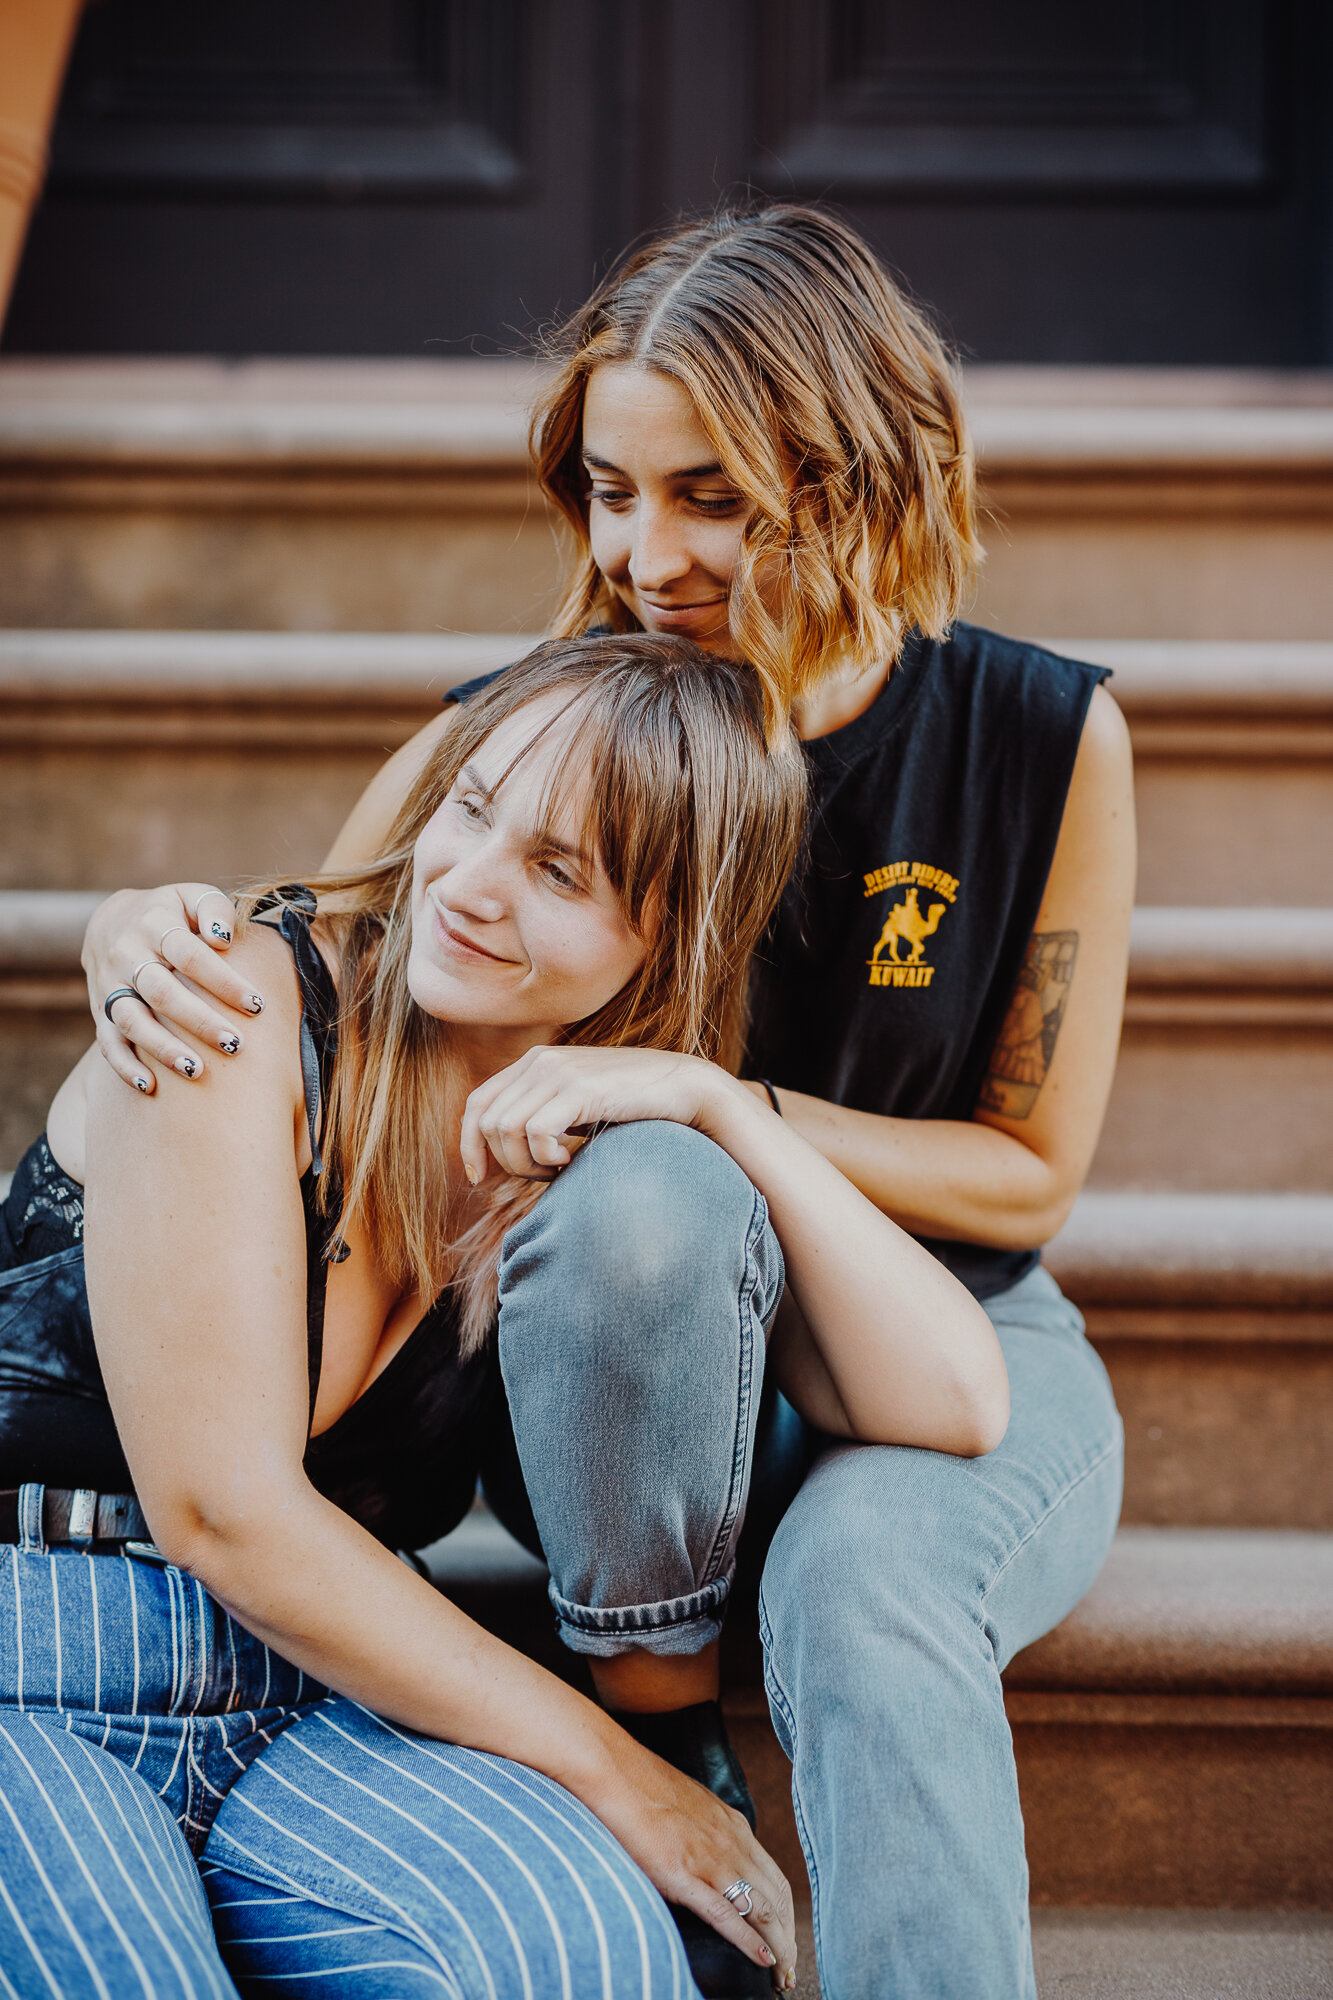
point(907, 923)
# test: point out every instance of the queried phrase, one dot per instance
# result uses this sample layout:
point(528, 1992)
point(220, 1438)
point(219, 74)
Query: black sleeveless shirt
point(402, 1460)
point(896, 949)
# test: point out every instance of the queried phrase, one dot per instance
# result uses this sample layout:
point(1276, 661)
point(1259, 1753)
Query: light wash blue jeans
point(634, 1303)
point(184, 1815)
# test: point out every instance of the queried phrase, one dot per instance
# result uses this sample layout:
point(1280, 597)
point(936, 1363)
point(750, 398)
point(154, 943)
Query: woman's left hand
point(526, 1117)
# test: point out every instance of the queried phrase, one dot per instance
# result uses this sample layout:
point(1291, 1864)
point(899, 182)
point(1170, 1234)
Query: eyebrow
point(596, 464)
point(541, 835)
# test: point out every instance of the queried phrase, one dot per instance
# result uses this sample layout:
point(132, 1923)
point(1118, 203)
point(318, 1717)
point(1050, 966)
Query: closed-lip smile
point(465, 946)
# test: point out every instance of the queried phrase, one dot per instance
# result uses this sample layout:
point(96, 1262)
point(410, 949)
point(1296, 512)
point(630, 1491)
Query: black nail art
point(141, 1083)
point(220, 931)
point(254, 1003)
point(188, 1066)
point(229, 1044)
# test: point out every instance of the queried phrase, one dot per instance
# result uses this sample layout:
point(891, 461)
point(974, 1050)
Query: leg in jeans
point(634, 1301)
point(357, 1857)
point(99, 1896)
point(898, 1586)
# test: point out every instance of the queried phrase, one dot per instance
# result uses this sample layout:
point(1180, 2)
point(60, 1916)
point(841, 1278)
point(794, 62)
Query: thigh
point(354, 1842)
point(98, 1893)
point(1016, 1536)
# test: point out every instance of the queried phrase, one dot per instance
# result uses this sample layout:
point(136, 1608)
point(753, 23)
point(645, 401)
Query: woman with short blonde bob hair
point(755, 440)
point(843, 431)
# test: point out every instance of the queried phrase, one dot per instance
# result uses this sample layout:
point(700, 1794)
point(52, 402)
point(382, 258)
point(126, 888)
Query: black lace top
point(402, 1460)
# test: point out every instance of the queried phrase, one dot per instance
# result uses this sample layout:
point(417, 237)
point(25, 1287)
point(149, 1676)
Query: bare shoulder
point(1104, 750)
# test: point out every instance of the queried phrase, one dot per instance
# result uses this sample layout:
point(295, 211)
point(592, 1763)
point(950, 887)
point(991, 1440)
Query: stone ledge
point(1189, 958)
point(1234, 1612)
point(1164, 1249)
point(1214, 700)
point(471, 413)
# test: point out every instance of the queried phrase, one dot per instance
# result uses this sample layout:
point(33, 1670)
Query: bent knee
point(643, 1208)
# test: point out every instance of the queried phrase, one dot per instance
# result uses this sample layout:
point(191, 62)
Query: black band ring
point(121, 993)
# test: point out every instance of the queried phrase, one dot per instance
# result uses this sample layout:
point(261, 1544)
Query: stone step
point(1179, 1955)
point(1174, 1735)
point(124, 755)
point(1214, 1316)
point(396, 495)
point(1225, 1078)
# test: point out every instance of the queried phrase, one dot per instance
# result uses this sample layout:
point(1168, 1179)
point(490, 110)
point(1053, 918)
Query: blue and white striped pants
point(183, 1813)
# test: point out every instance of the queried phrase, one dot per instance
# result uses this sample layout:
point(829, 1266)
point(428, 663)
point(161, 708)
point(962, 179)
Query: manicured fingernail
point(141, 1083)
point(471, 1173)
point(766, 1955)
point(254, 1003)
point(220, 931)
point(186, 1065)
point(229, 1044)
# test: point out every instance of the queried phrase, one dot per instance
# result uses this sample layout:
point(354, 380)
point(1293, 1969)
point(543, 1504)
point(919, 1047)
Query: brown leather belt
point(78, 1516)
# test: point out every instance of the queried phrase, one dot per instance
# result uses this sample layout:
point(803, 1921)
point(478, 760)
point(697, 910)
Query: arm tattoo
point(1023, 1050)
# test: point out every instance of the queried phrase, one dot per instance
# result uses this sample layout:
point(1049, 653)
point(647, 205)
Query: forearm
point(940, 1177)
point(911, 1355)
point(321, 1591)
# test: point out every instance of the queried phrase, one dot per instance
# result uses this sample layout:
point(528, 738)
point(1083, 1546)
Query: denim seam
point(615, 1619)
point(1053, 1509)
point(744, 1395)
point(777, 1695)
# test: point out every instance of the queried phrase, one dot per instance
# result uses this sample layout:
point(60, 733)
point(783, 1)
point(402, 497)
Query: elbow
point(983, 1429)
point(218, 1537)
point(981, 1397)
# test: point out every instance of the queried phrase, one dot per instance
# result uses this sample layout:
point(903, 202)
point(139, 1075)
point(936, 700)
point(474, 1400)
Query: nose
point(476, 884)
point(660, 554)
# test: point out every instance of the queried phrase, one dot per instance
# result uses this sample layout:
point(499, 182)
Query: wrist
point(725, 1100)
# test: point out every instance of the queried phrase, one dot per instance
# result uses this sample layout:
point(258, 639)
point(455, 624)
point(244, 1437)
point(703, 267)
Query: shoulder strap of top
point(318, 1045)
point(319, 1007)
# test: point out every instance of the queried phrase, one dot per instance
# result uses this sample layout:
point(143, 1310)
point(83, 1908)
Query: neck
point(484, 1050)
point(838, 702)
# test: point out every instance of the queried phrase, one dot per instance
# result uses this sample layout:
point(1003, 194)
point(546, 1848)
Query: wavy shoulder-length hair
point(696, 817)
point(833, 406)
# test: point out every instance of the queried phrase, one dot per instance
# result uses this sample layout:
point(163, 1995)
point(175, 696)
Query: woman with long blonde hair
point(754, 439)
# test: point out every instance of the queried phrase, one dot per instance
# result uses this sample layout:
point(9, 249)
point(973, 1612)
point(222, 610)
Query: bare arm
point(1009, 1176)
point(196, 1275)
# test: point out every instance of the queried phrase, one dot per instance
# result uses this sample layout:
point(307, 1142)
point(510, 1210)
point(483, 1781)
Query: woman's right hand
point(159, 934)
point(692, 1846)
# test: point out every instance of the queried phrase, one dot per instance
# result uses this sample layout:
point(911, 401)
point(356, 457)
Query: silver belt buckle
point(83, 1514)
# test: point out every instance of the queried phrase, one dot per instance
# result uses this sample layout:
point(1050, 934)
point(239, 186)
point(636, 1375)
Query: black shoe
point(695, 1740)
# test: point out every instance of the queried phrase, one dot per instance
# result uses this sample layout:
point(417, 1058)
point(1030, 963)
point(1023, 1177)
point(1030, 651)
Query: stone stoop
point(123, 754)
point(318, 495)
point(1229, 1024)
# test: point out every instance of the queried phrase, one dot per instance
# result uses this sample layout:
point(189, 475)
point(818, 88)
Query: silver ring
point(740, 1887)
point(166, 934)
point(120, 993)
point(134, 976)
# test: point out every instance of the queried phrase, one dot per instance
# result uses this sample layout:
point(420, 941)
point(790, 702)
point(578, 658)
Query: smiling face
point(665, 521)
point(516, 931)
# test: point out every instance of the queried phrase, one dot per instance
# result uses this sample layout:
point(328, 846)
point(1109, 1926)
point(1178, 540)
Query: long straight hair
point(832, 405)
point(696, 818)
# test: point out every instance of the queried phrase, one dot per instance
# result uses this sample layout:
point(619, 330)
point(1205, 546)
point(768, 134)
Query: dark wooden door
point(1149, 182)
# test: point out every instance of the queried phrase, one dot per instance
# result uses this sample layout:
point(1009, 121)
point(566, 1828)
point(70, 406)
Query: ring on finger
point(120, 993)
point(166, 934)
point(134, 976)
point(740, 1889)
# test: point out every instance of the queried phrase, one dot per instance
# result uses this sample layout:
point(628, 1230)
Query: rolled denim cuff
point(674, 1625)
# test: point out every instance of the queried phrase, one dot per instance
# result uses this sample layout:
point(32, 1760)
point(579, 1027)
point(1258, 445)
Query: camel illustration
point(907, 923)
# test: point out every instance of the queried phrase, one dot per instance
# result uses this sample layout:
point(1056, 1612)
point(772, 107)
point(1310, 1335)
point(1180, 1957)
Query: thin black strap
point(772, 1094)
